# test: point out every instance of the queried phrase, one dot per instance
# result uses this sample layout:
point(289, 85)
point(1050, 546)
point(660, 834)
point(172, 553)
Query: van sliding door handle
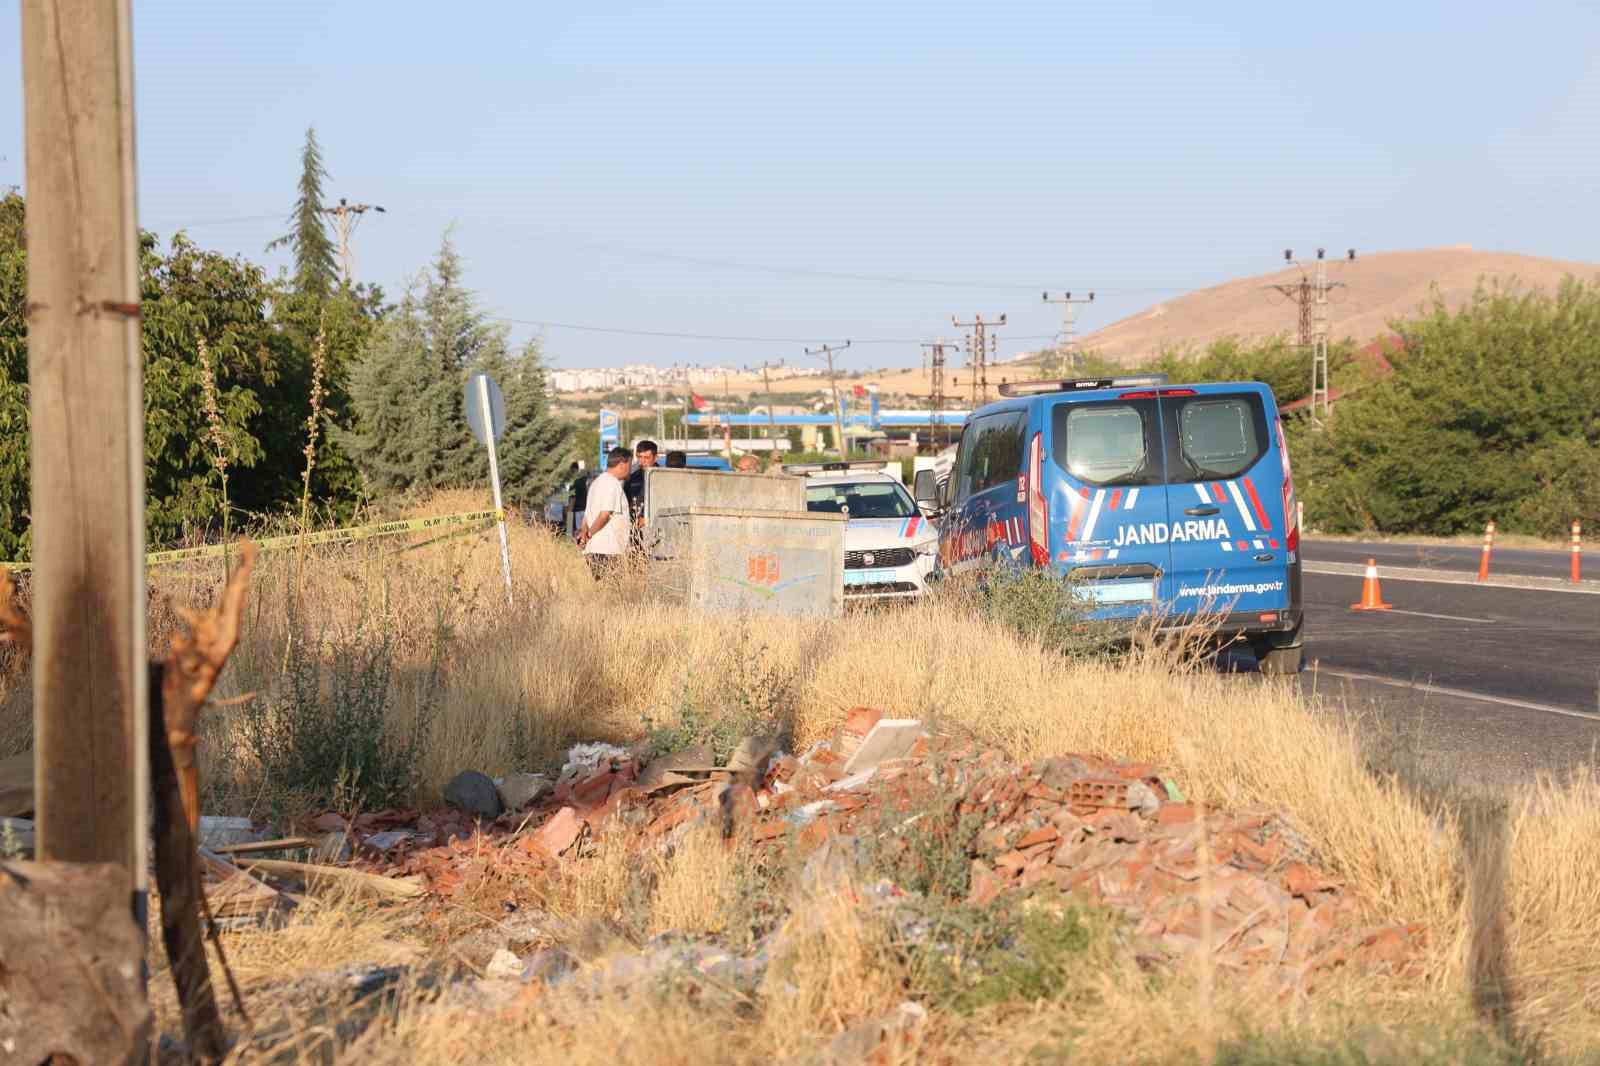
point(1198, 511)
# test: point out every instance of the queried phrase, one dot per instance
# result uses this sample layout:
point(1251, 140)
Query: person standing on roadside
point(634, 487)
point(604, 536)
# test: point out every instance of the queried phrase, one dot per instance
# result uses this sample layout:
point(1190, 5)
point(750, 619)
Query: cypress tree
point(407, 391)
point(315, 267)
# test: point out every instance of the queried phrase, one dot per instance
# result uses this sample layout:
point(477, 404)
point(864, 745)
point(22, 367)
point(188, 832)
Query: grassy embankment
point(420, 649)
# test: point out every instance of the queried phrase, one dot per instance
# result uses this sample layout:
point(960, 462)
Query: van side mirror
point(925, 488)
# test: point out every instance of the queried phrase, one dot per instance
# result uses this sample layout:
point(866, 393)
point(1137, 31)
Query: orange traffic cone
point(1371, 598)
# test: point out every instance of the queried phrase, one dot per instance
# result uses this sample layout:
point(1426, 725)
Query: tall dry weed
point(1510, 896)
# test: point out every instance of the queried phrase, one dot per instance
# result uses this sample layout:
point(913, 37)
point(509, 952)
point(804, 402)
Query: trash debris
point(474, 793)
point(388, 840)
point(890, 738)
point(216, 832)
point(518, 791)
point(890, 1038)
point(1120, 835)
point(275, 844)
point(18, 834)
point(558, 834)
point(232, 893)
point(333, 848)
point(684, 767)
point(505, 966)
point(342, 876)
point(583, 758)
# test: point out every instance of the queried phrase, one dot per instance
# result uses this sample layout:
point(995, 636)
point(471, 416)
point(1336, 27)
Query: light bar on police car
point(1034, 388)
point(835, 467)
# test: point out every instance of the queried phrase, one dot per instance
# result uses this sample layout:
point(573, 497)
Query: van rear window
point(1107, 443)
point(1217, 436)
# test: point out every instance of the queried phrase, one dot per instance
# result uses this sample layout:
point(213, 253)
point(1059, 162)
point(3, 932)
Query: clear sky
point(603, 164)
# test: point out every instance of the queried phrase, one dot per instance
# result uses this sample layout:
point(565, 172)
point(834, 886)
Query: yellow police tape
point(326, 536)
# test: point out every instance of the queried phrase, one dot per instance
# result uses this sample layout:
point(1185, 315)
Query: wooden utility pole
point(91, 760)
point(346, 215)
point(827, 351)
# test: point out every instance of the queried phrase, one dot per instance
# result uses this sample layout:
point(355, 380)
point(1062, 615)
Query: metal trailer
point(742, 559)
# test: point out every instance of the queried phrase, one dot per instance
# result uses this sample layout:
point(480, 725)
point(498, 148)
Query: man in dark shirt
point(634, 487)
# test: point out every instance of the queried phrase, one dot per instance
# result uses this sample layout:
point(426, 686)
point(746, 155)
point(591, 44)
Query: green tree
point(537, 447)
point(1492, 412)
point(1273, 361)
point(406, 392)
point(13, 380)
point(348, 318)
point(187, 294)
point(315, 269)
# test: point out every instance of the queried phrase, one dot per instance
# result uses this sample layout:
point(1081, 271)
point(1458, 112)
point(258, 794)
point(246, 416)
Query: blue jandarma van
point(1152, 499)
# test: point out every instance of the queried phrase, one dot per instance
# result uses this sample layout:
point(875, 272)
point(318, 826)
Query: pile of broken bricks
point(1116, 834)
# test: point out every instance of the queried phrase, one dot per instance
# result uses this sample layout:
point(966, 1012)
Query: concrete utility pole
point(766, 385)
point(86, 374)
point(980, 346)
point(1069, 350)
point(827, 350)
point(346, 215)
point(1311, 298)
point(936, 364)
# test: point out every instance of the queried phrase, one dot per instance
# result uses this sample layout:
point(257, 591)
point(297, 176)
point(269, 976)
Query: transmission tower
point(980, 345)
point(936, 361)
point(1068, 347)
point(346, 215)
point(1311, 299)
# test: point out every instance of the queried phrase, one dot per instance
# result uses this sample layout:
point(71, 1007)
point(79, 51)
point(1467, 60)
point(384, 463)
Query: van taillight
point(1291, 513)
point(1038, 507)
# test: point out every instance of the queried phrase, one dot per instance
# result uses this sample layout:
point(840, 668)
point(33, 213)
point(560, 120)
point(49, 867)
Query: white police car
point(889, 547)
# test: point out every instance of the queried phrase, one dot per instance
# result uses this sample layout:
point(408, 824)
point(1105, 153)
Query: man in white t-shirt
point(604, 536)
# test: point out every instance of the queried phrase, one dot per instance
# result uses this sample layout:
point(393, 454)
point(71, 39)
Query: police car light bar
point(1036, 388)
point(835, 466)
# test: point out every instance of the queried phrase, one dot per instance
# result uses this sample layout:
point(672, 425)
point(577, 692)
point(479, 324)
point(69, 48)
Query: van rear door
point(1103, 469)
point(1226, 502)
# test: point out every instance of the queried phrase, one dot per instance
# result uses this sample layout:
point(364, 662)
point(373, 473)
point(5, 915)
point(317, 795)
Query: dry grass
point(1510, 893)
point(694, 888)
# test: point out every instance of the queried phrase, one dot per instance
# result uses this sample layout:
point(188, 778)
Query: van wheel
point(1280, 662)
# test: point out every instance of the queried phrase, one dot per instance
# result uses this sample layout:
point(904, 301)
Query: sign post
point(486, 416)
point(610, 435)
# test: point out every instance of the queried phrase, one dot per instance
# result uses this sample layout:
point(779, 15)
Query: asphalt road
point(1520, 562)
point(1484, 687)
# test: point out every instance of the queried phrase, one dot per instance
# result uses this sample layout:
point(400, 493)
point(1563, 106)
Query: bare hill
point(1378, 288)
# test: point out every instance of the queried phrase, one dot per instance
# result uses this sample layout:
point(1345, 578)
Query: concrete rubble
point(1114, 834)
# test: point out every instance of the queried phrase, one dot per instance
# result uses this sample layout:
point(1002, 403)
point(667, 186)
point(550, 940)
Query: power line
point(838, 275)
point(1311, 300)
point(584, 328)
point(712, 262)
point(217, 222)
point(1069, 348)
point(980, 345)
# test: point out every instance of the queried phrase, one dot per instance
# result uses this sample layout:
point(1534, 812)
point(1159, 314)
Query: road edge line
point(1533, 584)
point(1428, 688)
